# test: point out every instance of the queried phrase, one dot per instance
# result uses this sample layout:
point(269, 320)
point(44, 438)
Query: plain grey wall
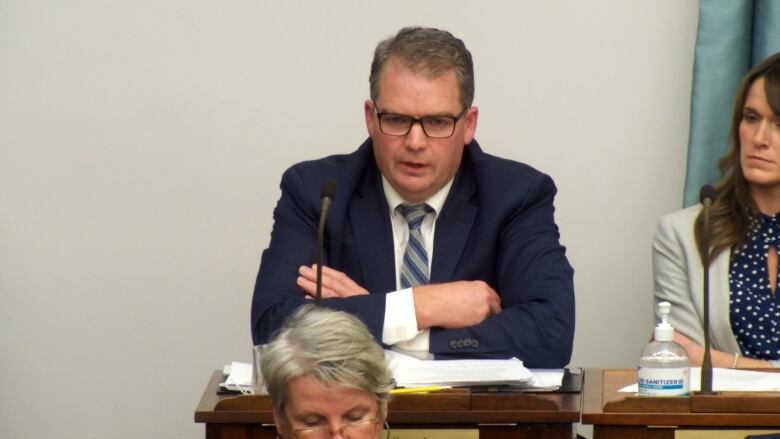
point(142, 143)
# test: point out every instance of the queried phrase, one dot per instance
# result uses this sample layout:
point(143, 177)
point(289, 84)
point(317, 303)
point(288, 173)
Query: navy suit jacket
point(496, 225)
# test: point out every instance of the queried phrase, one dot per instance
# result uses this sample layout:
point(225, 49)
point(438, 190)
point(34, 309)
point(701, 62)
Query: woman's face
point(314, 411)
point(759, 139)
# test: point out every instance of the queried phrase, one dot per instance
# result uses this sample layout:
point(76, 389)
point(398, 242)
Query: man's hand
point(334, 283)
point(455, 304)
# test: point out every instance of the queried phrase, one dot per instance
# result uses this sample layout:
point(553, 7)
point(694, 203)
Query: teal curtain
point(733, 36)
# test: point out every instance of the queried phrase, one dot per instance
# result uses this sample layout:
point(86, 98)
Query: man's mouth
point(413, 165)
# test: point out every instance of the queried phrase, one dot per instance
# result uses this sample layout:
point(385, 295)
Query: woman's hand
point(694, 350)
point(721, 359)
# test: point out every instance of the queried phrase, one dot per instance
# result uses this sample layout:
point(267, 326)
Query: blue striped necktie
point(414, 270)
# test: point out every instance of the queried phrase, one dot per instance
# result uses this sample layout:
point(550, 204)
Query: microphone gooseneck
point(707, 195)
point(328, 194)
point(329, 188)
point(707, 192)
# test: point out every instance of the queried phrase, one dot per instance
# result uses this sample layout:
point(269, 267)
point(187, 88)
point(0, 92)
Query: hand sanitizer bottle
point(664, 369)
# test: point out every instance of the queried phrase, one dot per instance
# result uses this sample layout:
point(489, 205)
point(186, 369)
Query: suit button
point(467, 343)
point(453, 345)
point(459, 344)
point(474, 343)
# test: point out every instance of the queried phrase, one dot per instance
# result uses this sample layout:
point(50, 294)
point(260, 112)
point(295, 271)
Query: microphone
point(328, 193)
point(706, 196)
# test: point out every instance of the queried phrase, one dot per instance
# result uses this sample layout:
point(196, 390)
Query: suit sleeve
point(671, 275)
point(535, 282)
point(293, 243)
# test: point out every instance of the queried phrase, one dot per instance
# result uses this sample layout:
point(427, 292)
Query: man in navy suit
point(493, 280)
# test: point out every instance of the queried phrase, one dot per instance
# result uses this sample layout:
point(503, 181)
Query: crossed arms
point(512, 290)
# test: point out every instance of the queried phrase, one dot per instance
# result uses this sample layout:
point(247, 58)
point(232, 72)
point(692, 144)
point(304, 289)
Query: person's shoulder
point(336, 162)
point(678, 225)
point(305, 179)
point(503, 182)
point(341, 167)
point(506, 177)
point(681, 217)
point(499, 166)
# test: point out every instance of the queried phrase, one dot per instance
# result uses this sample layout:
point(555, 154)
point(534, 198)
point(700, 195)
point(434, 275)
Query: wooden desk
point(616, 415)
point(506, 415)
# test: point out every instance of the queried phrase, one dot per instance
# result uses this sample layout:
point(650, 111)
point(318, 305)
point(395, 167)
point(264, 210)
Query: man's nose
point(416, 137)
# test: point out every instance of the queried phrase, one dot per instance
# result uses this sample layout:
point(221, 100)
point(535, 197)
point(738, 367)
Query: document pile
point(412, 372)
point(239, 377)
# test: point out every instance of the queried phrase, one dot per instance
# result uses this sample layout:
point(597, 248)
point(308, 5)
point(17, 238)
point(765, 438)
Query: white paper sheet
point(412, 372)
point(239, 377)
point(409, 371)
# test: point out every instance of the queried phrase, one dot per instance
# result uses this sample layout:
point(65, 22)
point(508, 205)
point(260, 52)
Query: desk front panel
point(500, 416)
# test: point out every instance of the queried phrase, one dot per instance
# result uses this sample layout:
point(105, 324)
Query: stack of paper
point(412, 372)
point(546, 379)
point(239, 377)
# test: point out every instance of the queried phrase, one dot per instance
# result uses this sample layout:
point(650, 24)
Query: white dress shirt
point(400, 328)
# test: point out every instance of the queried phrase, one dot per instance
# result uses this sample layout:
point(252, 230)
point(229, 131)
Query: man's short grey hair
point(426, 51)
point(332, 346)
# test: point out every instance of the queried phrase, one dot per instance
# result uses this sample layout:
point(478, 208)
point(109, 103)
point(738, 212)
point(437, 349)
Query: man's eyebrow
point(437, 114)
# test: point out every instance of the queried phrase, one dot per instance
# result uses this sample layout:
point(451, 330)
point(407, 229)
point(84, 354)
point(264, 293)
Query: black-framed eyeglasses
point(437, 127)
point(363, 429)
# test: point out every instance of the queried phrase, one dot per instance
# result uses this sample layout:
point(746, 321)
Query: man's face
point(416, 165)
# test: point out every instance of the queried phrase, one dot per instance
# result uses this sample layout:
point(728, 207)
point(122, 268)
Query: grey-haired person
point(326, 377)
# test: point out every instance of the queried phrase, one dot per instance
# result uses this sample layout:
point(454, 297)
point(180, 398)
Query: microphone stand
point(707, 194)
point(320, 246)
point(328, 192)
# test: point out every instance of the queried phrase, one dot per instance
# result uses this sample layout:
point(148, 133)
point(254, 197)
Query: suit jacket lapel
point(373, 233)
point(453, 227)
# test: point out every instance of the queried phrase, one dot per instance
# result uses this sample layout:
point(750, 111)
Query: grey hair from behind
point(332, 346)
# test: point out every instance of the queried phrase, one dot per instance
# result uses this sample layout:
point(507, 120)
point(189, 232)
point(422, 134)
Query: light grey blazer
point(678, 277)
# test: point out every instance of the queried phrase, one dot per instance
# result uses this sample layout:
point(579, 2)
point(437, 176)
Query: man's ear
point(471, 117)
point(368, 112)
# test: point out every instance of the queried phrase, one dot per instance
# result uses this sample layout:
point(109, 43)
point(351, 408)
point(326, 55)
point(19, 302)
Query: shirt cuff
point(416, 347)
point(400, 318)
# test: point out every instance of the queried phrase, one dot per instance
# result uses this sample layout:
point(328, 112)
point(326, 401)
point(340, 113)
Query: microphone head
point(329, 188)
point(707, 192)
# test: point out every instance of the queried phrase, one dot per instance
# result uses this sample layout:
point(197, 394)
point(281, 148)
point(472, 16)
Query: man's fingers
point(495, 305)
point(308, 286)
point(338, 283)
